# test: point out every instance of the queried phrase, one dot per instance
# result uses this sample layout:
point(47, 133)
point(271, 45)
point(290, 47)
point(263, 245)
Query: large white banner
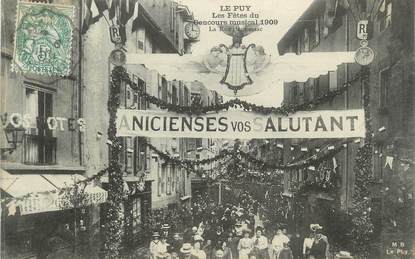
point(278, 69)
point(240, 124)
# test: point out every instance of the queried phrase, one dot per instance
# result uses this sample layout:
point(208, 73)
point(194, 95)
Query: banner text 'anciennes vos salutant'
point(242, 125)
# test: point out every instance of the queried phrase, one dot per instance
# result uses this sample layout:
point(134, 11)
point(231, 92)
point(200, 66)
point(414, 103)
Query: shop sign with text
point(52, 123)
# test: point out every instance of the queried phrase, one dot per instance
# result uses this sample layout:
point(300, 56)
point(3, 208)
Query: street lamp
point(14, 136)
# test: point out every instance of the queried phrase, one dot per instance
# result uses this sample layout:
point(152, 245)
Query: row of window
point(314, 87)
point(174, 92)
point(134, 155)
point(316, 28)
point(171, 180)
point(303, 175)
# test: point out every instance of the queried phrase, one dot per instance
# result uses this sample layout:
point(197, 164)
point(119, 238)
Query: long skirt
point(244, 253)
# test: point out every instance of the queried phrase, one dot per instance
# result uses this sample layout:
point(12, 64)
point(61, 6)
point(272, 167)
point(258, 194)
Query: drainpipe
point(346, 106)
point(80, 143)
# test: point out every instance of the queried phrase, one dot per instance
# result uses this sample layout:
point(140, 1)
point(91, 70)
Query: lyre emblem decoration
point(237, 63)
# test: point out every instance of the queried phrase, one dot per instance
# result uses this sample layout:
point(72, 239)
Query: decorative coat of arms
point(237, 62)
point(238, 70)
point(43, 39)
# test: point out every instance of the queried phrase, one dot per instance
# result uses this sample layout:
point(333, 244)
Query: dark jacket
point(296, 245)
point(285, 253)
point(318, 250)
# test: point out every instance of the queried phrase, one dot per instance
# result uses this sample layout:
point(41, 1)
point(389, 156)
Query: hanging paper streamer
point(389, 162)
point(334, 163)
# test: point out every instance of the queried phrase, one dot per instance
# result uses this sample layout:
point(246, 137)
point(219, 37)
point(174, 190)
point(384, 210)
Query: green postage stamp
point(43, 39)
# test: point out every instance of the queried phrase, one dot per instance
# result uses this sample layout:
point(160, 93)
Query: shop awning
point(94, 194)
point(21, 185)
point(185, 198)
point(36, 193)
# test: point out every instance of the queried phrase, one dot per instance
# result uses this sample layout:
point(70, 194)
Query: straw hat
point(315, 227)
point(156, 234)
point(343, 255)
point(186, 248)
point(219, 253)
point(165, 226)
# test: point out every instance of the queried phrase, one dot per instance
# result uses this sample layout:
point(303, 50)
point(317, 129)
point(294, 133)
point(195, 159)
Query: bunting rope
point(255, 162)
point(231, 170)
point(236, 103)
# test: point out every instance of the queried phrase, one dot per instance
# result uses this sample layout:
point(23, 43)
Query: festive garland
point(235, 170)
point(94, 177)
point(238, 154)
point(114, 218)
point(362, 229)
point(186, 162)
point(237, 103)
point(310, 161)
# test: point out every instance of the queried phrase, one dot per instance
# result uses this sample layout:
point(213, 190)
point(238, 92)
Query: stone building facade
point(327, 26)
point(154, 27)
point(49, 157)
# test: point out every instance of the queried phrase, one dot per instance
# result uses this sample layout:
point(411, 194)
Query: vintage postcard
point(207, 129)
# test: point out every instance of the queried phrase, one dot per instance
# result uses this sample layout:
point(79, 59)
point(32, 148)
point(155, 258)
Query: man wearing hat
point(192, 234)
point(320, 244)
point(218, 236)
point(186, 252)
point(165, 228)
point(175, 245)
point(162, 249)
point(260, 244)
point(154, 245)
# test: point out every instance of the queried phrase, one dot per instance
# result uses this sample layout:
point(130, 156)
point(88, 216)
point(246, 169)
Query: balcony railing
point(39, 150)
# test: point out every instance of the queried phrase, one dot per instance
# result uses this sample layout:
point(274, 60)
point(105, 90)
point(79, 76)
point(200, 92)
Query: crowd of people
point(236, 231)
point(233, 237)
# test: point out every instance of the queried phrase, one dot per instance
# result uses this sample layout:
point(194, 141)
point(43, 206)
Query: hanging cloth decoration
point(389, 162)
point(335, 165)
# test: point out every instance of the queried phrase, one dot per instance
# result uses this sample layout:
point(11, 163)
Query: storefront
point(41, 221)
point(137, 206)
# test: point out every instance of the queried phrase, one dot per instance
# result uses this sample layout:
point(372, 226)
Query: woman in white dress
point(278, 242)
point(197, 251)
point(245, 245)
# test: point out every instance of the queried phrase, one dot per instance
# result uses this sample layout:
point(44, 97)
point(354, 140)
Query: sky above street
point(285, 11)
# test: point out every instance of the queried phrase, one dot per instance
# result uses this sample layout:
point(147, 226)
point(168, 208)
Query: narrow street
point(189, 129)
